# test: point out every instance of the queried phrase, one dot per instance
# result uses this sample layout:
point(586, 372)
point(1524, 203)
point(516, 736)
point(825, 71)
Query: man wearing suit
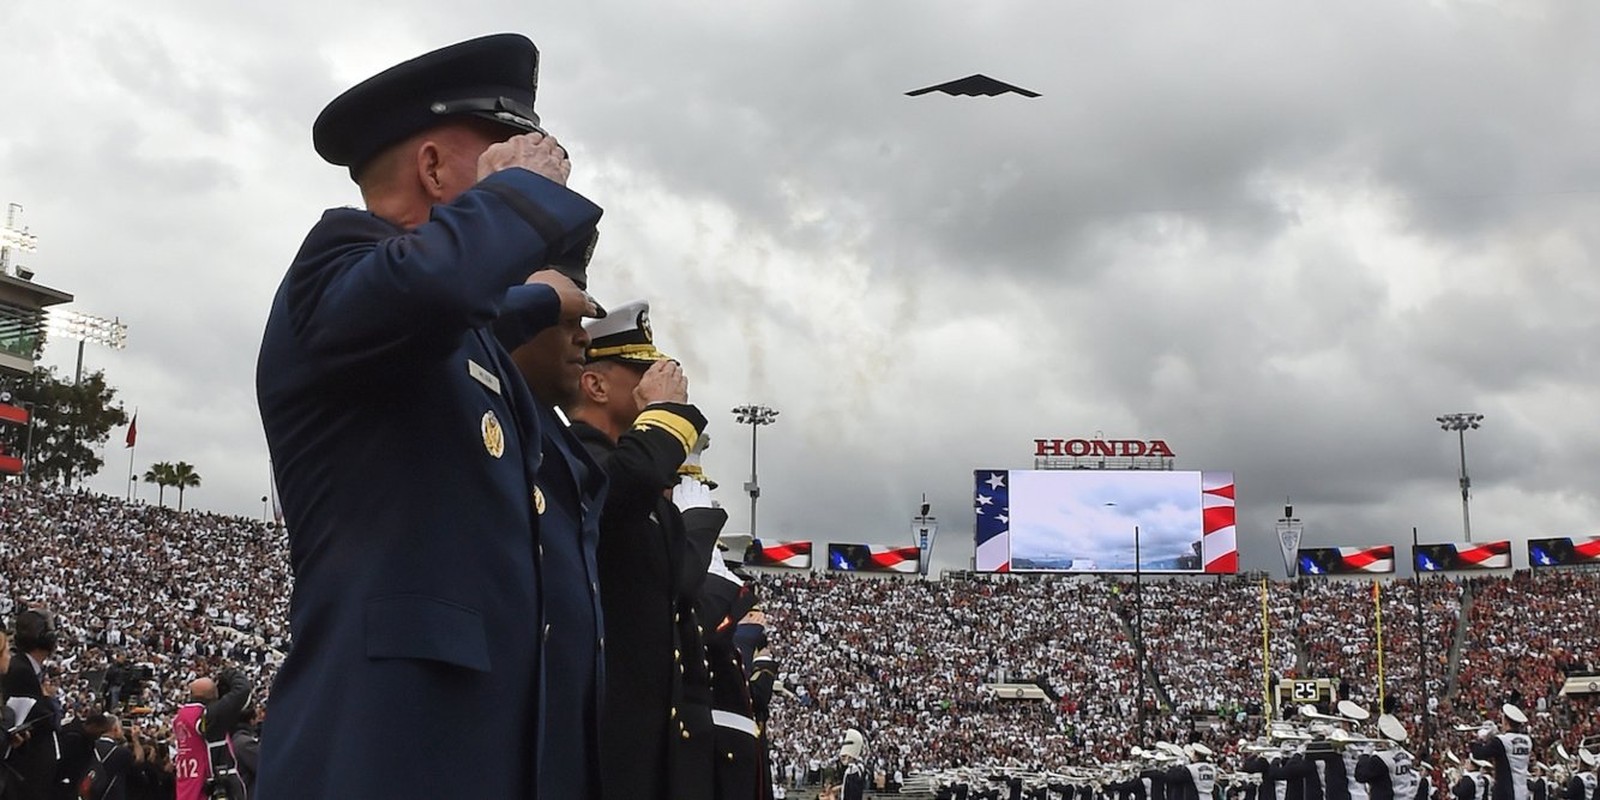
point(407, 449)
point(633, 414)
point(33, 762)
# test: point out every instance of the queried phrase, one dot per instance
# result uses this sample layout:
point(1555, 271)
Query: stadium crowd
point(1337, 628)
point(145, 599)
point(1523, 634)
point(152, 598)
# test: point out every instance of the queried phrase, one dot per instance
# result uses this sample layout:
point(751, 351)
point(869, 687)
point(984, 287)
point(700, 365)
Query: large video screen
point(1346, 560)
point(1564, 551)
point(873, 558)
point(1084, 521)
point(1450, 557)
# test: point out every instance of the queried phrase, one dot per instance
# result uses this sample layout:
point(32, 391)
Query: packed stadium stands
point(907, 661)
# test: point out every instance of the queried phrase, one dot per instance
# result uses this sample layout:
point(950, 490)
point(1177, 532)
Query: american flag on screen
point(779, 554)
point(992, 505)
point(1346, 560)
point(1563, 552)
point(873, 558)
point(1448, 557)
point(1220, 548)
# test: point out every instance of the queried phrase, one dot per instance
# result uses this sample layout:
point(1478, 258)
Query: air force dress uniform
point(406, 447)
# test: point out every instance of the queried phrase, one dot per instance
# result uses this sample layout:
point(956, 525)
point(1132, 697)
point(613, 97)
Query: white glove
point(1485, 732)
point(691, 493)
point(720, 569)
point(700, 446)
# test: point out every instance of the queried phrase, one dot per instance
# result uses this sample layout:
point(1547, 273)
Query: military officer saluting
point(632, 413)
point(405, 444)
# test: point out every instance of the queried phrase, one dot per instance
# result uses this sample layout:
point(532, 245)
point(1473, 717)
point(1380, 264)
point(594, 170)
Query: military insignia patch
point(494, 438)
point(538, 500)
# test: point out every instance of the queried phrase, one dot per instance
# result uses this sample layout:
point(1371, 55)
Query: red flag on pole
point(133, 429)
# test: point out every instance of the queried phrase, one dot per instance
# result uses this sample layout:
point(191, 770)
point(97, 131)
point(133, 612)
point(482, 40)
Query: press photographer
point(206, 766)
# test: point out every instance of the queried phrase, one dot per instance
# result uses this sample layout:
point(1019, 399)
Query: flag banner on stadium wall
point(873, 558)
point(1564, 551)
point(1346, 560)
point(778, 554)
point(13, 414)
point(1450, 557)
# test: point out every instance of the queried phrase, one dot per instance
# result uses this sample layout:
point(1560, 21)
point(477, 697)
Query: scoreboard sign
point(1296, 692)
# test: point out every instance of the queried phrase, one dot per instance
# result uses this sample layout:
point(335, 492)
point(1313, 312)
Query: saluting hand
point(538, 153)
point(575, 302)
point(664, 382)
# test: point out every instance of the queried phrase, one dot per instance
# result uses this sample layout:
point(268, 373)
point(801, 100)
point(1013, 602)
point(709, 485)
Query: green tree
point(184, 477)
point(70, 425)
point(159, 474)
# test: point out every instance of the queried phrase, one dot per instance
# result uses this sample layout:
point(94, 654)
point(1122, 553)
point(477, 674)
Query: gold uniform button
point(685, 734)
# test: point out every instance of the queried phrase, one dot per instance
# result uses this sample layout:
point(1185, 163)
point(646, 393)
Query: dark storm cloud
point(1282, 236)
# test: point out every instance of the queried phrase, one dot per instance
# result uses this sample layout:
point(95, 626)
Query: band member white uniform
point(1193, 781)
point(1510, 752)
point(1584, 785)
point(1539, 786)
point(1474, 784)
point(1390, 773)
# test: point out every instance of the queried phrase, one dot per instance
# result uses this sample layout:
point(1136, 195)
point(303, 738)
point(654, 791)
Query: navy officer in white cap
point(405, 444)
point(657, 531)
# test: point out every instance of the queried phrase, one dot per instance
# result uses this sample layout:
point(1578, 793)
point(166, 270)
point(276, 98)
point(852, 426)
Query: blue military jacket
point(406, 448)
point(572, 489)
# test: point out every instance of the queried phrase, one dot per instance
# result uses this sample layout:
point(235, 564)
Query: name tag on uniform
point(483, 376)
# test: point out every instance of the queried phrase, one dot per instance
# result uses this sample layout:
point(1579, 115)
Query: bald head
point(203, 690)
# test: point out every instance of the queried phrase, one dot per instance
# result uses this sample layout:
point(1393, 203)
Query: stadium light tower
point(755, 416)
point(86, 329)
point(1460, 423)
point(14, 238)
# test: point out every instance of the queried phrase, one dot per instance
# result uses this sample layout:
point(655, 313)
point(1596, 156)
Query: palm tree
point(159, 474)
point(184, 477)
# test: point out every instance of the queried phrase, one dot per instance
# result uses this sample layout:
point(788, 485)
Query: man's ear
point(430, 166)
point(594, 387)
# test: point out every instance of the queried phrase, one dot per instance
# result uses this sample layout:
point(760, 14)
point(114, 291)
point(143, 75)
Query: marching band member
point(1473, 785)
point(1267, 789)
point(1389, 773)
point(1195, 780)
point(1154, 779)
point(851, 753)
point(1538, 784)
point(1509, 752)
point(1424, 781)
point(1584, 784)
point(1299, 775)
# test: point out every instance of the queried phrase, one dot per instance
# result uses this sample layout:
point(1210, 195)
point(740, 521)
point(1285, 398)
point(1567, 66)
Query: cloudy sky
point(1283, 236)
point(1090, 515)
